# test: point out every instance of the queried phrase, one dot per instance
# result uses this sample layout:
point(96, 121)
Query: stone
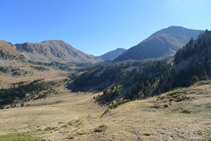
point(179, 99)
point(165, 101)
point(171, 99)
point(165, 106)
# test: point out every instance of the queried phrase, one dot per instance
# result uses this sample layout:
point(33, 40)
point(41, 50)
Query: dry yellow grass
point(137, 120)
point(47, 112)
point(76, 116)
point(51, 74)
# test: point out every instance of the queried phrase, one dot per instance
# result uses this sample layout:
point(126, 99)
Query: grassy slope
point(65, 116)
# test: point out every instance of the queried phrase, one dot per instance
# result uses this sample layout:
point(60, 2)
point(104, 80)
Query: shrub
point(178, 92)
point(100, 128)
point(48, 128)
point(106, 111)
point(119, 103)
point(22, 104)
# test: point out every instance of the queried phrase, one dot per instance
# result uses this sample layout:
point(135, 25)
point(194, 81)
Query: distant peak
point(120, 49)
point(173, 26)
point(52, 41)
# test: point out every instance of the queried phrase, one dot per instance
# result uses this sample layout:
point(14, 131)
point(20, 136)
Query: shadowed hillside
point(112, 54)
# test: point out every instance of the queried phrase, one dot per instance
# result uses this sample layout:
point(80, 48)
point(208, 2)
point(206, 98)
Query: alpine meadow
point(131, 73)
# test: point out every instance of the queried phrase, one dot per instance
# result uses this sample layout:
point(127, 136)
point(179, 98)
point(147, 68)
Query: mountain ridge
point(53, 50)
point(113, 54)
point(161, 43)
point(56, 50)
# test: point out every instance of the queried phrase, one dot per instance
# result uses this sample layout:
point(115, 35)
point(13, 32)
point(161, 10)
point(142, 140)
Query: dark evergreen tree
point(194, 79)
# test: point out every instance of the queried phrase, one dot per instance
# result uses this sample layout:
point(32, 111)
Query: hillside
point(193, 61)
point(112, 54)
point(53, 50)
point(75, 116)
point(146, 78)
point(8, 51)
point(162, 43)
point(113, 101)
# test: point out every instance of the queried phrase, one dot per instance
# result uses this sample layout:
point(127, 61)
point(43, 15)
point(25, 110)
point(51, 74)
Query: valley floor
point(75, 116)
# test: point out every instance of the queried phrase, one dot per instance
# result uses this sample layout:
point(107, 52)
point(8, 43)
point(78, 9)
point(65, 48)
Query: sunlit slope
point(162, 43)
point(76, 116)
point(53, 50)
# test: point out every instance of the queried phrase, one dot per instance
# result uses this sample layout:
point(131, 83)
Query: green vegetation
point(155, 73)
point(7, 96)
point(145, 78)
point(177, 93)
point(100, 128)
point(113, 106)
point(3, 69)
point(22, 104)
point(42, 96)
point(75, 122)
point(108, 96)
point(194, 47)
point(18, 137)
point(106, 111)
point(40, 68)
point(159, 77)
point(200, 65)
point(107, 73)
point(63, 66)
point(204, 82)
point(48, 128)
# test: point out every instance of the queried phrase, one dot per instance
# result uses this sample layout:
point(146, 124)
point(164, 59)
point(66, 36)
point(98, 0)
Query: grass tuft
point(48, 129)
point(17, 137)
point(177, 93)
point(205, 82)
point(100, 128)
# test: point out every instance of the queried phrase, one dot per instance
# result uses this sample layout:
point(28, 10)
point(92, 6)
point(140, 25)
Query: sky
point(97, 26)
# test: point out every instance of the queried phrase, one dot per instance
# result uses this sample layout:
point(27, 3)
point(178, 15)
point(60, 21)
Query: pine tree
point(194, 79)
point(147, 83)
point(22, 104)
point(203, 75)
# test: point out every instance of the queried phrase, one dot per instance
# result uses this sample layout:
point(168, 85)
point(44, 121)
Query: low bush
point(177, 93)
point(100, 128)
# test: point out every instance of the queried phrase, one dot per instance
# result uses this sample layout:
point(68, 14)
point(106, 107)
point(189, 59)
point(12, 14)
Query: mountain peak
point(162, 43)
point(52, 41)
point(53, 50)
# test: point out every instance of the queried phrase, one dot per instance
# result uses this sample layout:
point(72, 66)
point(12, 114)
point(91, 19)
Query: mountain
point(53, 50)
point(8, 50)
point(142, 79)
point(112, 54)
point(162, 43)
point(193, 61)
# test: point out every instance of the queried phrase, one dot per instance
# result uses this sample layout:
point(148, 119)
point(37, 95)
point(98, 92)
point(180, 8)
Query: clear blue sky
point(97, 26)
